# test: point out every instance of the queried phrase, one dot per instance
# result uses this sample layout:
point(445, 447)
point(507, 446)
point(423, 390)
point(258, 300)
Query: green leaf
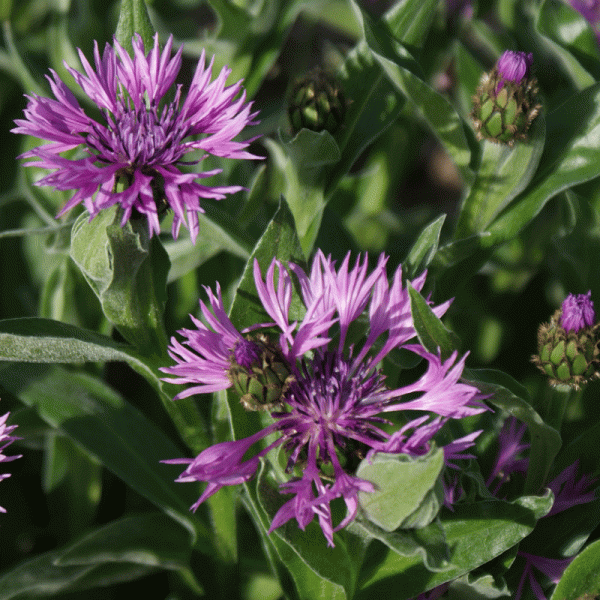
point(128, 273)
point(428, 543)
point(475, 533)
point(150, 539)
point(571, 157)
point(309, 156)
point(75, 477)
point(403, 487)
point(478, 587)
point(40, 577)
point(432, 333)
point(335, 568)
point(468, 74)
point(280, 241)
point(133, 18)
point(120, 551)
point(424, 249)
point(457, 251)
point(510, 396)
point(581, 577)
point(373, 103)
point(44, 341)
point(403, 72)
point(110, 430)
point(411, 20)
point(503, 173)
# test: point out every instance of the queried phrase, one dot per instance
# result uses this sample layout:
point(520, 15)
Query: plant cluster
point(272, 277)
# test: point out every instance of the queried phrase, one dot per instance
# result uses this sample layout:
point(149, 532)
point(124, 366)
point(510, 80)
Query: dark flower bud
point(568, 349)
point(505, 103)
point(317, 103)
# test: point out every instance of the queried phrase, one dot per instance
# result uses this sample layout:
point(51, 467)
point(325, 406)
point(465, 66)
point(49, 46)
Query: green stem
point(559, 399)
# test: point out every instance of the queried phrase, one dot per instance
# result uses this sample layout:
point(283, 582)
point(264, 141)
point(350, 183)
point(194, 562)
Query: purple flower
point(577, 312)
point(136, 156)
point(335, 401)
point(513, 67)
point(206, 357)
point(510, 447)
point(5, 440)
point(569, 491)
point(553, 568)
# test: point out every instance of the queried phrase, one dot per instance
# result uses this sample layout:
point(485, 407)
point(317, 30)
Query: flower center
point(333, 409)
point(139, 138)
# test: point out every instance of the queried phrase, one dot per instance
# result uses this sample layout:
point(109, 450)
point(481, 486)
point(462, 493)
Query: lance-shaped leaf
point(309, 156)
point(119, 551)
point(432, 333)
point(390, 51)
point(572, 157)
point(572, 41)
point(424, 249)
point(503, 174)
point(45, 341)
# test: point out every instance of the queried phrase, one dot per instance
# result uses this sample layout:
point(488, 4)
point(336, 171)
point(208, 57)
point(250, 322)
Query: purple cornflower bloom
point(5, 440)
point(567, 490)
point(577, 312)
point(513, 67)
point(335, 401)
point(134, 156)
point(553, 568)
point(510, 446)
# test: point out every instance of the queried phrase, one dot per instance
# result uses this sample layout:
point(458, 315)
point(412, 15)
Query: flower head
point(5, 440)
point(577, 312)
point(510, 448)
point(135, 155)
point(505, 102)
point(332, 409)
point(569, 346)
point(553, 568)
point(568, 491)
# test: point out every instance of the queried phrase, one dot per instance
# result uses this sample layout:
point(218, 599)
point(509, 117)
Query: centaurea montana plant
point(136, 155)
point(334, 401)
